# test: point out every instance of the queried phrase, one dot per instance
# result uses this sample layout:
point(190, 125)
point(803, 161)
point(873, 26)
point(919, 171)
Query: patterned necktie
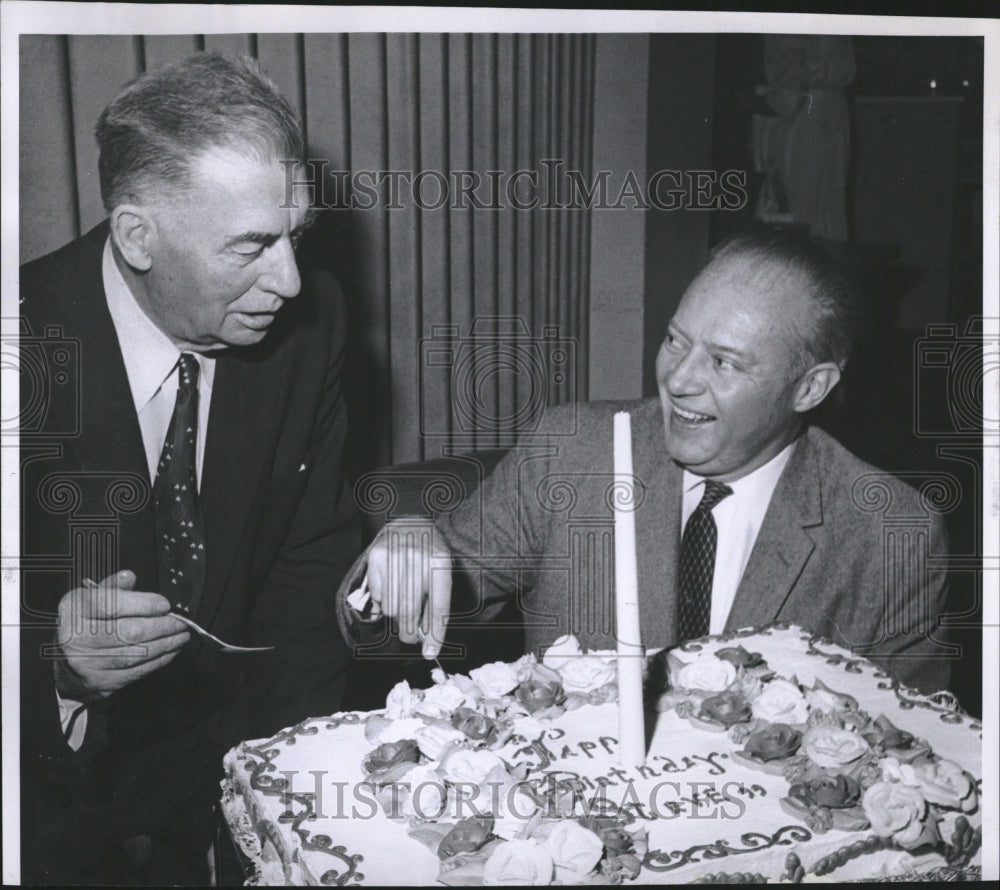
point(698, 565)
point(180, 531)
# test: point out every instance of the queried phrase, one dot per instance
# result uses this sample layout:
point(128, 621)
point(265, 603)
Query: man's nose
point(685, 377)
point(282, 275)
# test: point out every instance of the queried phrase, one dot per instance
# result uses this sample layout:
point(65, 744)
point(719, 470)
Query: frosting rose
point(728, 708)
point(541, 689)
point(895, 810)
point(440, 701)
point(401, 700)
point(462, 765)
point(945, 783)
point(434, 739)
point(737, 656)
point(834, 792)
point(830, 747)
point(425, 793)
point(574, 850)
point(941, 782)
point(519, 862)
point(467, 836)
point(775, 742)
point(398, 730)
point(706, 675)
point(891, 770)
point(495, 680)
point(514, 806)
point(564, 649)
point(391, 754)
point(587, 673)
point(781, 701)
point(475, 726)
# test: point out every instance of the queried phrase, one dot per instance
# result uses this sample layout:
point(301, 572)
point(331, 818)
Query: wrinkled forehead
point(767, 300)
point(758, 276)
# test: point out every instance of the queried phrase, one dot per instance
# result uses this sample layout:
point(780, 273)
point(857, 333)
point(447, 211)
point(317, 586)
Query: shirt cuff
point(73, 719)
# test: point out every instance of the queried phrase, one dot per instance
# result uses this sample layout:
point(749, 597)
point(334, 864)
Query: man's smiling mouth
point(692, 417)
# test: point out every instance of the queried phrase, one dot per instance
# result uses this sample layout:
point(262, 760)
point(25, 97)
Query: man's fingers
point(139, 671)
point(438, 607)
point(377, 570)
point(406, 556)
point(124, 579)
point(114, 633)
point(114, 602)
point(125, 658)
point(422, 568)
point(409, 576)
point(145, 630)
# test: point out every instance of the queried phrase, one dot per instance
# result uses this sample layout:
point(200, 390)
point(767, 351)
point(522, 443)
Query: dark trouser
point(173, 853)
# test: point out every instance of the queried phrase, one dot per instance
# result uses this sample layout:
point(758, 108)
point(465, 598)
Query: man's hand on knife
point(409, 580)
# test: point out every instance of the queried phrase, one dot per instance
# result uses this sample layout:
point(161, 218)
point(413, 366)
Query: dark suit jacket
point(280, 526)
point(843, 549)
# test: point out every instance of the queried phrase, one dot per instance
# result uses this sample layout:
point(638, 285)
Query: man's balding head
point(824, 323)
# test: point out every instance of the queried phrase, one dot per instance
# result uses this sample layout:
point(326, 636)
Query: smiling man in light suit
point(746, 514)
point(198, 473)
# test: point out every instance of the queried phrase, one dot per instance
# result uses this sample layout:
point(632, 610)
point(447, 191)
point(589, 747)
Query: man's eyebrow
point(730, 350)
point(712, 345)
point(673, 327)
point(265, 239)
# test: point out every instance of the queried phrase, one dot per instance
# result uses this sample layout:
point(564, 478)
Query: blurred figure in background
point(803, 149)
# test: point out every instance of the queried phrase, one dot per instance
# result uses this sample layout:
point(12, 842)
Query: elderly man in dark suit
point(745, 515)
point(188, 462)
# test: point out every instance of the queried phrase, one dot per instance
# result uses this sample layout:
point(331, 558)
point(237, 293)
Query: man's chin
point(685, 453)
point(242, 335)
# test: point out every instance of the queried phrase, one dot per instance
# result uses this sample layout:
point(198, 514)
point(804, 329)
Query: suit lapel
point(783, 545)
point(109, 452)
point(657, 533)
point(244, 414)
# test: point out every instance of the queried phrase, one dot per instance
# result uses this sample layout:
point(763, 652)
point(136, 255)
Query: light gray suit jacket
point(843, 550)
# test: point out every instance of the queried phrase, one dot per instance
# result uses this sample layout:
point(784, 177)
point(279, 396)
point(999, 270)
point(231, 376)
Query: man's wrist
point(69, 684)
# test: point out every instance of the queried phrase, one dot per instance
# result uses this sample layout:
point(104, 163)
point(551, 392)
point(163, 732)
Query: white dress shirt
point(151, 366)
point(738, 518)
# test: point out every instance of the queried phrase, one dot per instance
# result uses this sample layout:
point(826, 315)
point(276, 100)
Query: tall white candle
point(631, 726)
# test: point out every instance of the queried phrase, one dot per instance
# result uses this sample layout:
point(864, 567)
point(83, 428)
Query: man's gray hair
point(152, 131)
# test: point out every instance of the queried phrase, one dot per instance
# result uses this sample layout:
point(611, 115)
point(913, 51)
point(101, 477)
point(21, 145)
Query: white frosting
point(691, 794)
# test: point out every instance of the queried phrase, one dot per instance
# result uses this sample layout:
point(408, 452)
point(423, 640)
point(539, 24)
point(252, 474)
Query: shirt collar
point(761, 481)
point(149, 354)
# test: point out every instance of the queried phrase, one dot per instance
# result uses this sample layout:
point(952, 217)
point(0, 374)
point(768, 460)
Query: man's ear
point(815, 386)
point(133, 232)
